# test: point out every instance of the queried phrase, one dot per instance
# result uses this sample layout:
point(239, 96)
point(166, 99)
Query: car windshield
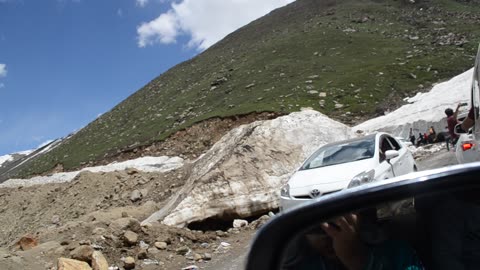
point(342, 152)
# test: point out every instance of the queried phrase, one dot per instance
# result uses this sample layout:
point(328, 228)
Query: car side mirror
point(458, 129)
point(391, 154)
point(387, 209)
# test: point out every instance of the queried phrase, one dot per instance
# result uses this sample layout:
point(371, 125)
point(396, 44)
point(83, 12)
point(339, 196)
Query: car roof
point(356, 139)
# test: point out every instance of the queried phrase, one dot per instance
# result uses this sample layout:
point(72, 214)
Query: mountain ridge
point(348, 59)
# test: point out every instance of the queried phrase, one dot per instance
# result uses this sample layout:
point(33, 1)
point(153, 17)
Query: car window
point(394, 143)
point(341, 153)
point(422, 232)
point(384, 147)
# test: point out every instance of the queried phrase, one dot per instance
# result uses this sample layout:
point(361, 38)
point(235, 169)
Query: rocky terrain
point(189, 213)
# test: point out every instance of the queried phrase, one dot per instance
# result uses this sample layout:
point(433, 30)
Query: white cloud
point(2, 85)
point(119, 12)
point(204, 21)
point(163, 29)
point(141, 3)
point(3, 70)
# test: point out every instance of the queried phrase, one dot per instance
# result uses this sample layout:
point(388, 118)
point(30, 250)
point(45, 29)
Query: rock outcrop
point(241, 174)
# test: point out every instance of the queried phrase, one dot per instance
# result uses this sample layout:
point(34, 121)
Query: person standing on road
point(452, 122)
point(411, 136)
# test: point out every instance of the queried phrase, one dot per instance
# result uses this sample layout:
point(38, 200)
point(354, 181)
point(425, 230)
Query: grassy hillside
point(348, 59)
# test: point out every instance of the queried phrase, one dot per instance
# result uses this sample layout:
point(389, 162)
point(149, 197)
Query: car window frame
point(381, 154)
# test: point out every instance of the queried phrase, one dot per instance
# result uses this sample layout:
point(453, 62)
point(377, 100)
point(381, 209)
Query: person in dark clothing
point(452, 122)
point(411, 136)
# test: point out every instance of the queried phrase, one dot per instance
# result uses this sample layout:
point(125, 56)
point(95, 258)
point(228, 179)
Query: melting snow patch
point(146, 164)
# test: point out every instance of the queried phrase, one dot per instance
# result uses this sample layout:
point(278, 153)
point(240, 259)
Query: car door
point(476, 106)
point(384, 169)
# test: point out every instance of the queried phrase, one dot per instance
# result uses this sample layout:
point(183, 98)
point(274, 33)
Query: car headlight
point(285, 191)
point(362, 178)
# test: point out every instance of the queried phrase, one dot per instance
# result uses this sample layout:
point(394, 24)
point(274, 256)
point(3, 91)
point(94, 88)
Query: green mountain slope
point(348, 59)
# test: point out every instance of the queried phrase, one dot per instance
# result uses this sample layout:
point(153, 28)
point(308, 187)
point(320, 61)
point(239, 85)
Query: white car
point(467, 149)
point(343, 164)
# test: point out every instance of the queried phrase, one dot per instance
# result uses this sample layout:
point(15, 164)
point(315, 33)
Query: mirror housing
point(272, 240)
point(458, 130)
point(391, 154)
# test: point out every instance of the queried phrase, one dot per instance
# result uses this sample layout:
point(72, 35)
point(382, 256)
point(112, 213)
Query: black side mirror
point(397, 205)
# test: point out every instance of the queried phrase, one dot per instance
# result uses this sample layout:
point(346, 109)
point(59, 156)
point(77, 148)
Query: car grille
point(308, 197)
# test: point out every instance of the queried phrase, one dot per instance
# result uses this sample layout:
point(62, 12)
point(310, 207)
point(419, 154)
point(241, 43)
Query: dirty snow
point(146, 164)
point(424, 109)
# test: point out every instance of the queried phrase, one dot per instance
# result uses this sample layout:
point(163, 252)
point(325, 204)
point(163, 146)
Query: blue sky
point(64, 62)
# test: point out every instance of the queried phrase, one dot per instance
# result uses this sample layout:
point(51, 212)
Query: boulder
point(82, 253)
point(130, 238)
point(239, 223)
point(70, 264)
point(135, 196)
point(129, 263)
point(161, 245)
point(98, 261)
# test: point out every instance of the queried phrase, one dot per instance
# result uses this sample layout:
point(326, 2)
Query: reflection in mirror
point(434, 231)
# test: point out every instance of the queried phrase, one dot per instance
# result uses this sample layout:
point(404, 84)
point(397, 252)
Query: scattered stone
point(240, 223)
point(153, 250)
point(150, 262)
point(204, 245)
point(338, 106)
point(129, 263)
point(182, 250)
point(250, 86)
point(56, 219)
point(98, 261)
point(413, 76)
point(130, 238)
point(161, 245)
point(197, 257)
point(221, 233)
point(26, 242)
point(313, 92)
point(144, 245)
point(142, 254)
point(69, 264)
point(124, 214)
point(207, 256)
point(135, 196)
point(82, 253)
point(322, 94)
point(191, 267)
point(126, 223)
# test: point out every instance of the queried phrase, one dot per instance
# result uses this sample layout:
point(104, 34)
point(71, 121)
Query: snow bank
point(5, 158)
point(146, 164)
point(424, 110)
point(241, 175)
